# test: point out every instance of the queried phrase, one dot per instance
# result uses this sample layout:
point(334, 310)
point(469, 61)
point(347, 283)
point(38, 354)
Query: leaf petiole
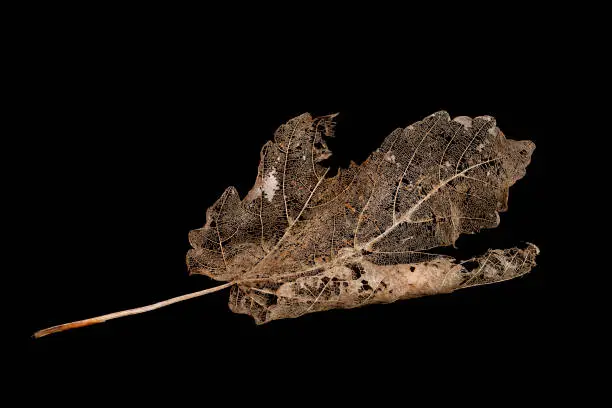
point(129, 312)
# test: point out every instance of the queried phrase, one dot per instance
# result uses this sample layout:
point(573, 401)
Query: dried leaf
point(301, 242)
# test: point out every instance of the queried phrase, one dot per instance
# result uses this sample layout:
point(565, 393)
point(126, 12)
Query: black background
point(133, 134)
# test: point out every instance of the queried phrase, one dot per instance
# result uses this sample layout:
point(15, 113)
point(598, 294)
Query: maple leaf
point(300, 242)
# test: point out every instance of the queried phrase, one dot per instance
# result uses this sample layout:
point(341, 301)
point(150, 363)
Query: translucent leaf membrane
point(301, 242)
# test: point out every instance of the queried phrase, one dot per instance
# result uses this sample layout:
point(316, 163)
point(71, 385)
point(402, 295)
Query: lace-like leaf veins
point(301, 242)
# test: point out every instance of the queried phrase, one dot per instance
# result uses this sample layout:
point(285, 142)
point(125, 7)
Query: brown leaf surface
point(301, 242)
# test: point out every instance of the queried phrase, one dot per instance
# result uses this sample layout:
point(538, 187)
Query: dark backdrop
point(134, 137)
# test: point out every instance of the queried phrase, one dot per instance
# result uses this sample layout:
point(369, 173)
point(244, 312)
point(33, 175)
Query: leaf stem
point(138, 310)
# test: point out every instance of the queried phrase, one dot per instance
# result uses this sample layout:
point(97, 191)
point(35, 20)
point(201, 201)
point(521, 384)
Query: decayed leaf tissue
point(300, 242)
